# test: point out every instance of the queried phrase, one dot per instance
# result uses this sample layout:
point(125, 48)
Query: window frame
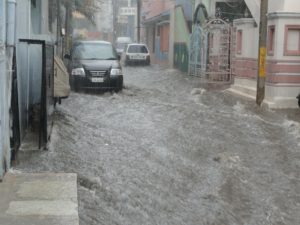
point(288, 52)
point(239, 41)
point(271, 40)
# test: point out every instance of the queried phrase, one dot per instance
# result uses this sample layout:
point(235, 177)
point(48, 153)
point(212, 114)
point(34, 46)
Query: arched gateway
point(209, 56)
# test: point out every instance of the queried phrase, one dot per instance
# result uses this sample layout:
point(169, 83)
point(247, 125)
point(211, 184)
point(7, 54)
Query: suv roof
point(93, 42)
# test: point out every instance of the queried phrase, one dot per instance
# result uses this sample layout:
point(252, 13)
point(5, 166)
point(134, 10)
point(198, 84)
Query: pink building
point(156, 24)
point(283, 54)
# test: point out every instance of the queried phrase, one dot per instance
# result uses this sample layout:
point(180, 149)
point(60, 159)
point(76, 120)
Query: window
point(93, 51)
point(271, 40)
point(292, 40)
point(239, 42)
point(137, 49)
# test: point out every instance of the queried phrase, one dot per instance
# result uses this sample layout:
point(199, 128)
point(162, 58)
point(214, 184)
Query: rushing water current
point(165, 151)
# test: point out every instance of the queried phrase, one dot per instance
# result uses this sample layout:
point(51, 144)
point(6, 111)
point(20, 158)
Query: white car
point(137, 54)
point(121, 44)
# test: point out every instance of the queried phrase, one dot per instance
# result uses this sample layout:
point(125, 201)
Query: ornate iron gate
point(210, 52)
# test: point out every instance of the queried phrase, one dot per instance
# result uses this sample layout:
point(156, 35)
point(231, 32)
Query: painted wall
point(187, 7)
point(290, 5)
point(181, 40)
point(6, 55)
point(160, 54)
point(283, 70)
point(249, 38)
point(209, 5)
point(156, 19)
point(155, 8)
point(279, 21)
point(29, 60)
point(284, 6)
point(3, 109)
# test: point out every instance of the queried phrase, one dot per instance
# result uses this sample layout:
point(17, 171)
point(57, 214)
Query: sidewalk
point(39, 199)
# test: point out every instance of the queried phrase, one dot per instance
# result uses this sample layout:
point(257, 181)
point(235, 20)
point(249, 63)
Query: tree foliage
point(86, 7)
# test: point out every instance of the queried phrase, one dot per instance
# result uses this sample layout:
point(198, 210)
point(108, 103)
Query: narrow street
point(166, 152)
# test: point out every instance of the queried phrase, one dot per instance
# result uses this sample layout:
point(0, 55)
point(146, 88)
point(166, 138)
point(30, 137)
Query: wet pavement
point(166, 151)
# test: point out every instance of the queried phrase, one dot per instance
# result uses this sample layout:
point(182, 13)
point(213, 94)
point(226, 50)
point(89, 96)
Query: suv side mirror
point(67, 56)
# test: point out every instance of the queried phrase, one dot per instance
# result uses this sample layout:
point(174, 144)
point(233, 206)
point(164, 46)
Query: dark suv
point(95, 65)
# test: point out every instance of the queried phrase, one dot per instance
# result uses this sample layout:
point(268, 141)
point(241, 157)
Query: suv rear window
point(137, 49)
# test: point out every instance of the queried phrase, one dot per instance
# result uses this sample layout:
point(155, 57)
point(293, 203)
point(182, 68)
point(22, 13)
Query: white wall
point(250, 38)
point(275, 5)
point(291, 5)
point(5, 91)
point(2, 72)
point(284, 6)
point(280, 20)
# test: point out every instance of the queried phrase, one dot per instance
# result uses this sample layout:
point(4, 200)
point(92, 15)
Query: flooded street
point(166, 152)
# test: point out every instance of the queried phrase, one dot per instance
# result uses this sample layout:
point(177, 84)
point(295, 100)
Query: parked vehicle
point(298, 99)
point(95, 65)
point(121, 44)
point(137, 54)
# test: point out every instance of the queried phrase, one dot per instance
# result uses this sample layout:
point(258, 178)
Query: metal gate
point(209, 56)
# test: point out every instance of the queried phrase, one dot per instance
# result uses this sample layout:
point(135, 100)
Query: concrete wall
point(3, 109)
point(6, 55)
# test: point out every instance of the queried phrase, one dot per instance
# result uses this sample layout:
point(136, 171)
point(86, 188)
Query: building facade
point(7, 43)
point(283, 54)
point(25, 27)
point(157, 23)
point(183, 19)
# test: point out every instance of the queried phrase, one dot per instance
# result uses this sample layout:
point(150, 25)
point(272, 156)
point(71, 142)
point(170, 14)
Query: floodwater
point(165, 151)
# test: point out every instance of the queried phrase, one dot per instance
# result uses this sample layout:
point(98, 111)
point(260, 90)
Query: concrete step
point(36, 199)
point(248, 92)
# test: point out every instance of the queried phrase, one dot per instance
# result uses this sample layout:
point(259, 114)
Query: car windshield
point(137, 49)
point(96, 51)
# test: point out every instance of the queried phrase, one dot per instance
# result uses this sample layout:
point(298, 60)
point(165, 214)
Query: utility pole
point(261, 78)
point(138, 21)
point(114, 8)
